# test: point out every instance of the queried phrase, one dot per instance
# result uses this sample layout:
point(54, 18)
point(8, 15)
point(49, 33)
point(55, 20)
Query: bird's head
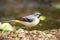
point(37, 14)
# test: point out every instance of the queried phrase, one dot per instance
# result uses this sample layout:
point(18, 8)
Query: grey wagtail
point(29, 21)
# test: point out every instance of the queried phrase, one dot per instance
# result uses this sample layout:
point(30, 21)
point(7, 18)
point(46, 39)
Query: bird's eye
point(37, 14)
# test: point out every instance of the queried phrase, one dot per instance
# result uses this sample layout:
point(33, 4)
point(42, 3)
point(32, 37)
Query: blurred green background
point(10, 9)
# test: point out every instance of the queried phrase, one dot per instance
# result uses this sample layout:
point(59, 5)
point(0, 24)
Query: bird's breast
point(31, 24)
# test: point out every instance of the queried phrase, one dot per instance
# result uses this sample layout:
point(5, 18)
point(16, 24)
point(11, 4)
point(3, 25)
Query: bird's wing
point(26, 18)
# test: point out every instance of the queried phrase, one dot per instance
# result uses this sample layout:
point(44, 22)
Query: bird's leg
point(26, 28)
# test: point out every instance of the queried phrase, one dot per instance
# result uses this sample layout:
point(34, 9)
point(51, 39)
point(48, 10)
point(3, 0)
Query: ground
point(31, 35)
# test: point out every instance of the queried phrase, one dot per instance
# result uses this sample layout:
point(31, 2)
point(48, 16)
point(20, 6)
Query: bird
point(30, 20)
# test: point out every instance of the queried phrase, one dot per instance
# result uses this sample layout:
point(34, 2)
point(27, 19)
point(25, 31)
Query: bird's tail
point(17, 21)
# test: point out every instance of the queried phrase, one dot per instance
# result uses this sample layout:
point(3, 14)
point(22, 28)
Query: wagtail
point(29, 21)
